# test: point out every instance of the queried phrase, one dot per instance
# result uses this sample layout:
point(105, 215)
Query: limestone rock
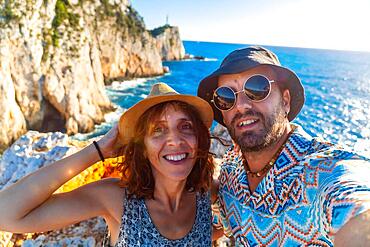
point(220, 145)
point(131, 50)
point(46, 63)
point(169, 43)
point(88, 233)
point(12, 121)
point(31, 152)
point(56, 56)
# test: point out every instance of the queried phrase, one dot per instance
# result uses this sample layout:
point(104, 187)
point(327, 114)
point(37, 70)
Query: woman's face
point(171, 145)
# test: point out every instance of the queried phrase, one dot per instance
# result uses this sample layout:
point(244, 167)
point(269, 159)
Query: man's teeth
point(175, 157)
point(247, 122)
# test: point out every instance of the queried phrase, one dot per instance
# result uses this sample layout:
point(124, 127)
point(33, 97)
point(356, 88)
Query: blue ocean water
point(337, 86)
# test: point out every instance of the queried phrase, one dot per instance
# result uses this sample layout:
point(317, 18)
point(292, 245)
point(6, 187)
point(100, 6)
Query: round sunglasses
point(257, 88)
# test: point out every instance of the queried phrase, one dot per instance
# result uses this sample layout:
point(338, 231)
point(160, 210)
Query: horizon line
point(283, 46)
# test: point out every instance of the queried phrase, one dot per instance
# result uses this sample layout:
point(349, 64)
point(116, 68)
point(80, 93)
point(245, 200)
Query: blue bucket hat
point(247, 58)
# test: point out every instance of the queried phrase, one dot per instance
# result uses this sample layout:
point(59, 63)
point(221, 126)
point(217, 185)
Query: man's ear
point(286, 101)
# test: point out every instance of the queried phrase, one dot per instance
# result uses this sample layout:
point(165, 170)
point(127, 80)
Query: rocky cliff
point(168, 42)
point(57, 55)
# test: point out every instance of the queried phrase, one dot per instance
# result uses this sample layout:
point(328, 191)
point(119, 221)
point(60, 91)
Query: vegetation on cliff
point(130, 20)
point(159, 30)
point(62, 13)
point(67, 15)
point(6, 12)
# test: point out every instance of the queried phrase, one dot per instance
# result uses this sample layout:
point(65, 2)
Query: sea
point(337, 88)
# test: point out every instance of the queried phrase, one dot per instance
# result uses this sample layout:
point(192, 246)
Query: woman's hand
point(109, 144)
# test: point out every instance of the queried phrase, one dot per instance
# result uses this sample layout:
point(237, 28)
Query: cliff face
point(168, 42)
point(55, 56)
point(12, 122)
point(126, 48)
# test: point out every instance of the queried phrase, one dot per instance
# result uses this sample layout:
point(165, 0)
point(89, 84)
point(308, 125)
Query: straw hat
point(160, 93)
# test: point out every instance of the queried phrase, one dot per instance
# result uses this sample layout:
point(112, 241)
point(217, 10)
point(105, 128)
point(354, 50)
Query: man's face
point(256, 125)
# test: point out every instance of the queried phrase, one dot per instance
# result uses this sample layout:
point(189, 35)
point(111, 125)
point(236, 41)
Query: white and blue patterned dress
point(138, 229)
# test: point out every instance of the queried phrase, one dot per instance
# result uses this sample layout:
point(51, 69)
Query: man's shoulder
point(333, 164)
point(322, 152)
point(325, 153)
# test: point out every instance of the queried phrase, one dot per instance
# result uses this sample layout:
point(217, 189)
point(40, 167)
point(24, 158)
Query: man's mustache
point(249, 113)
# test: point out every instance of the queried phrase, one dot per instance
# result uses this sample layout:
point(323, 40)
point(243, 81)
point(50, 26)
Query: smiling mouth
point(176, 157)
point(247, 122)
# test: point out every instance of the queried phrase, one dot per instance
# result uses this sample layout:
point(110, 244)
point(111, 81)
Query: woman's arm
point(29, 205)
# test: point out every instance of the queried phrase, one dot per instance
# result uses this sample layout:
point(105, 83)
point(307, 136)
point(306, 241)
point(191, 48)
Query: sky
point(327, 24)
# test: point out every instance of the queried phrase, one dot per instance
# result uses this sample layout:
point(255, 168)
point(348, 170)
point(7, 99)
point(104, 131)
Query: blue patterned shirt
point(312, 190)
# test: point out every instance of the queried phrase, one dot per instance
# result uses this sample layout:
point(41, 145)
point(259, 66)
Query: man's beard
point(253, 141)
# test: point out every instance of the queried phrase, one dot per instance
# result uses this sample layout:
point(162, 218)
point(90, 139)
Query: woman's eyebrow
point(165, 121)
point(184, 119)
point(159, 121)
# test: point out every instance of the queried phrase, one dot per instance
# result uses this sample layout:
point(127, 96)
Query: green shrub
point(159, 30)
point(131, 21)
point(108, 9)
point(62, 14)
point(7, 14)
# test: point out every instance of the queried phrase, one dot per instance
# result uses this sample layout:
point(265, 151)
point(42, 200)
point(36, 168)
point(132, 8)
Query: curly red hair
point(136, 170)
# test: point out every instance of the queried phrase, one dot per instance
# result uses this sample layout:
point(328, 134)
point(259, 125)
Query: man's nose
point(242, 102)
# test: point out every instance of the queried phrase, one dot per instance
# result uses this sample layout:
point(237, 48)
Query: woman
point(163, 195)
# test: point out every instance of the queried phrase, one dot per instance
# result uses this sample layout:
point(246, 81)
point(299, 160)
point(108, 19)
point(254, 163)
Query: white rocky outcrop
point(88, 233)
point(169, 43)
point(221, 142)
point(31, 152)
point(57, 55)
point(126, 48)
point(12, 121)
point(28, 154)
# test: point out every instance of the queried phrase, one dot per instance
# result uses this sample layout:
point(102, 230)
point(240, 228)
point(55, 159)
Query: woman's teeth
point(177, 157)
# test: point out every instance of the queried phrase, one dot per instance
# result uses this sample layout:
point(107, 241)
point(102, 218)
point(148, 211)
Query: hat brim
point(129, 118)
point(286, 77)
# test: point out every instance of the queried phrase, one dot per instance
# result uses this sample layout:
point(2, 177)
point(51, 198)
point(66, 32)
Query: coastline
point(58, 65)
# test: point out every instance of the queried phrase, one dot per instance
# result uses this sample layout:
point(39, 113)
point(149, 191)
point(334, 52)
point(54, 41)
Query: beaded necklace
point(269, 164)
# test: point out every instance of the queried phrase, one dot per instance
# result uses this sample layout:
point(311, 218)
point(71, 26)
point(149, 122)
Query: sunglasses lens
point(224, 98)
point(257, 87)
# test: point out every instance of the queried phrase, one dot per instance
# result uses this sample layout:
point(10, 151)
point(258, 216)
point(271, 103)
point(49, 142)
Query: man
point(278, 185)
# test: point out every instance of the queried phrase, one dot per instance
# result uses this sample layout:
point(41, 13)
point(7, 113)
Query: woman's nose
point(174, 138)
